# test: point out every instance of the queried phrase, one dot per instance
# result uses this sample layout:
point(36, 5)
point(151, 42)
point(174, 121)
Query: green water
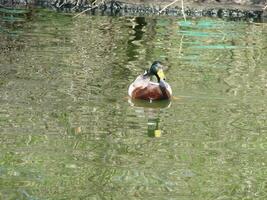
point(68, 130)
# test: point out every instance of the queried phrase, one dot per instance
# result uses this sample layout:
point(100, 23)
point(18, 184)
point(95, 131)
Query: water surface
point(68, 130)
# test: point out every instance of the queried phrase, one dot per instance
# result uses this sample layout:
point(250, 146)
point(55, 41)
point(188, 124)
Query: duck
point(145, 89)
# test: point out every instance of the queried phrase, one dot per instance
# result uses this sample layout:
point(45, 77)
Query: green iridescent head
point(157, 70)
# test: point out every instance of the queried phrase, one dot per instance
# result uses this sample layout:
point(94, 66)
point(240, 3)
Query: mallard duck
point(144, 88)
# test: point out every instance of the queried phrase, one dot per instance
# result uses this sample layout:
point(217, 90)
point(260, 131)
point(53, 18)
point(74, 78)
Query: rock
point(232, 9)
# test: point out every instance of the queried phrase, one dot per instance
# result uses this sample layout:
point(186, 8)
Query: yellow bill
point(161, 74)
point(157, 133)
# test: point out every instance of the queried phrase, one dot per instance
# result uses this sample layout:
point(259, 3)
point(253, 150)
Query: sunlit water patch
point(69, 131)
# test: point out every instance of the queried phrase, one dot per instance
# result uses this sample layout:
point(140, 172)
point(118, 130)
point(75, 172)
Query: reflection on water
point(152, 111)
point(147, 104)
point(67, 131)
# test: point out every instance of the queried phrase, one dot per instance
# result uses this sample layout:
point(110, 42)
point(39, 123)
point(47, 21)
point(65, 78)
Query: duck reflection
point(152, 111)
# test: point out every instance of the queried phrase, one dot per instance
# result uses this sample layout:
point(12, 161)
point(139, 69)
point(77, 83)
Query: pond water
point(68, 130)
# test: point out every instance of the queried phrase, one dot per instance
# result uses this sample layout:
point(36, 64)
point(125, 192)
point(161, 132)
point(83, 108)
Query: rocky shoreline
point(254, 10)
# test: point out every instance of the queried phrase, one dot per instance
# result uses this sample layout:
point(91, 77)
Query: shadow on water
point(153, 105)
